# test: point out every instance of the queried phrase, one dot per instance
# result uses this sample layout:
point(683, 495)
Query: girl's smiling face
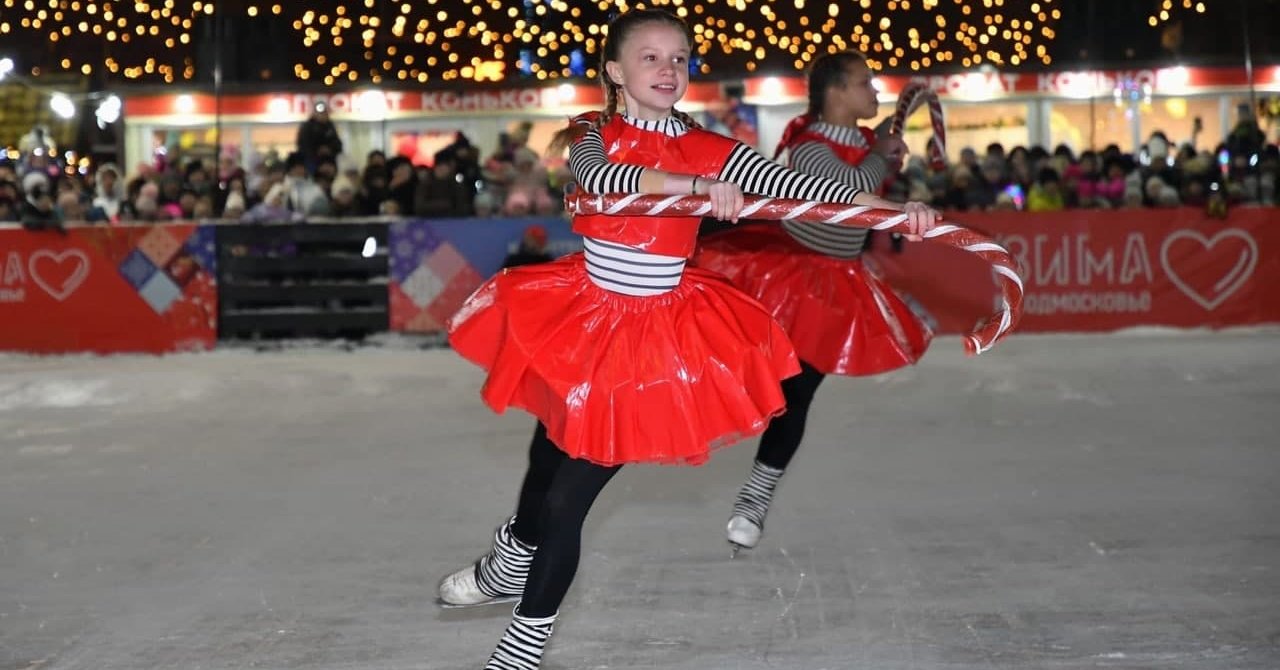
point(652, 70)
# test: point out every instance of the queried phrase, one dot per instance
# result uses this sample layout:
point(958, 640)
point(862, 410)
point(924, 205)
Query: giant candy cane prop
point(989, 331)
point(910, 99)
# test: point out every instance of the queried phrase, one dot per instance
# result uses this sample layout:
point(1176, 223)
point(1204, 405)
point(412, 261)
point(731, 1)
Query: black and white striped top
point(817, 158)
point(633, 271)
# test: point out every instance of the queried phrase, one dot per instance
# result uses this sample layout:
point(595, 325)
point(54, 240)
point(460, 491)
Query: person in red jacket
point(623, 353)
point(841, 317)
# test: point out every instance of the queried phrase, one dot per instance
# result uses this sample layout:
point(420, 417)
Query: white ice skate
point(743, 534)
point(498, 577)
point(751, 506)
point(461, 589)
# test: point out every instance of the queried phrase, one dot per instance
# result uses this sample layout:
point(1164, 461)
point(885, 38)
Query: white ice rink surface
point(1061, 502)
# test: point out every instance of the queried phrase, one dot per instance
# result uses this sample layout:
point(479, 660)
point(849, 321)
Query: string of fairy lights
point(551, 39)
point(147, 27)
point(383, 41)
point(1170, 9)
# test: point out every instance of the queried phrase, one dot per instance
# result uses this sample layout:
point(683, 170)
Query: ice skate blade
point(496, 601)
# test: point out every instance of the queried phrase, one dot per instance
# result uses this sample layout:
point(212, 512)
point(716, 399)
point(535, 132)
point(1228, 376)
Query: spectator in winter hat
point(234, 207)
point(197, 178)
point(150, 190)
point(1152, 188)
point(38, 212)
point(272, 209)
point(187, 203)
point(484, 204)
point(1168, 197)
point(343, 200)
point(203, 209)
point(69, 208)
point(1004, 202)
point(170, 190)
point(1046, 194)
point(8, 210)
point(1132, 198)
point(533, 248)
point(303, 194)
point(441, 191)
point(318, 137)
point(530, 178)
point(518, 204)
point(146, 208)
point(170, 211)
point(33, 181)
point(1112, 184)
point(109, 191)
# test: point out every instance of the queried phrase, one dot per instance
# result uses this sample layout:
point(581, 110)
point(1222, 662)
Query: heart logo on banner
point(59, 274)
point(1226, 285)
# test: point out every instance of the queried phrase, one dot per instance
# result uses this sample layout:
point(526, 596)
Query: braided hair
point(617, 33)
point(828, 71)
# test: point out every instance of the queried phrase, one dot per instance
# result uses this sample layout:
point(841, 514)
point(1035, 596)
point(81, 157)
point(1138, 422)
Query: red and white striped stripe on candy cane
point(909, 100)
point(989, 331)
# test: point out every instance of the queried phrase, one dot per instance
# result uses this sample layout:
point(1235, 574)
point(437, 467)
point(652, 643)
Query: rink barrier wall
point(182, 286)
point(302, 280)
point(1101, 271)
point(108, 289)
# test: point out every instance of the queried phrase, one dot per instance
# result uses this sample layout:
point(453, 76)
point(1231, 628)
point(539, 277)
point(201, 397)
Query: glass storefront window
point(1070, 122)
point(1176, 116)
point(263, 142)
point(276, 140)
point(968, 125)
point(177, 146)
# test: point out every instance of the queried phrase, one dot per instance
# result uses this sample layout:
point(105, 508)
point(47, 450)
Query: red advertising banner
point(1090, 270)
point(108, 289)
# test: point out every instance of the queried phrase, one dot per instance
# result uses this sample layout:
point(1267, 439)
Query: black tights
point(557, 493)
point(782, 438)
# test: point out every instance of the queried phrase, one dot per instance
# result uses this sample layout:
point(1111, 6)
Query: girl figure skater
point(622, 353)
point(840, 316)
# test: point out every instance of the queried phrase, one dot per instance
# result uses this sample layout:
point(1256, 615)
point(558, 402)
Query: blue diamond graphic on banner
point(160, 292)
point(137, 269)
point(410, 242)
point(203, 246)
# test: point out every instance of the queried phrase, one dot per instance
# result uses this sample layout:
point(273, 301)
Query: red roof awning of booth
point(993, 85)
point(566, 99)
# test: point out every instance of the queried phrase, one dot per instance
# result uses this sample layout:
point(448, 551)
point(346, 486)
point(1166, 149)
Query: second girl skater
point(841, 317)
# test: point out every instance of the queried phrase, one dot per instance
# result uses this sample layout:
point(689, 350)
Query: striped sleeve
point(595, 173)
point(758, 175)
point(818, 159)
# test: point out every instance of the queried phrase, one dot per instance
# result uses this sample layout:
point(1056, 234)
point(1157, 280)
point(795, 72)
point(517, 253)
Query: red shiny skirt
point(842, 318)
point(626, 379)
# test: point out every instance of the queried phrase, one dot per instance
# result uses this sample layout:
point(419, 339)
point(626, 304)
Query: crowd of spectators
point(1242, 170)
point(317, 180)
